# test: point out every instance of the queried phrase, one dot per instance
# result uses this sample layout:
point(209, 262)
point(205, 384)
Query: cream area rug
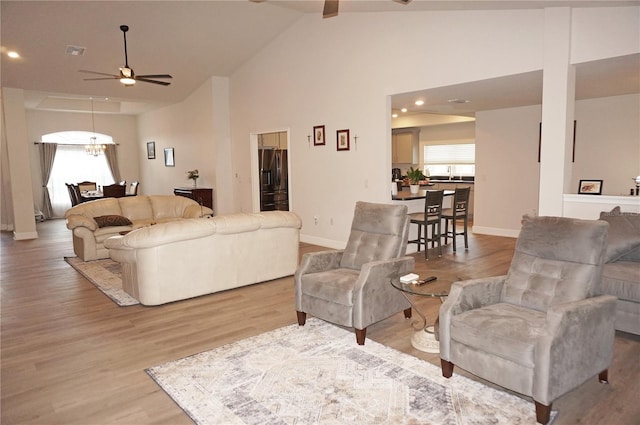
point(317, 374)
point(104, 275)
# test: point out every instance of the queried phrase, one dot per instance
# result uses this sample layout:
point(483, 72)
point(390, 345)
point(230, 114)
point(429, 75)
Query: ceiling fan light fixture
point(127, 81)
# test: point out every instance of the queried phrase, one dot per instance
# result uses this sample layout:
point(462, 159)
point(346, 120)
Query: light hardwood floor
point(69, 355)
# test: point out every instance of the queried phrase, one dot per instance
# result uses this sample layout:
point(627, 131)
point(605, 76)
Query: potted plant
point(414, 176)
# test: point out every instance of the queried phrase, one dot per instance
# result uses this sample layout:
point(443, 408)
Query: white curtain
point(73, 165)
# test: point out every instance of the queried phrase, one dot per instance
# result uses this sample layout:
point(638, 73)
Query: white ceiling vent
point(75, 50)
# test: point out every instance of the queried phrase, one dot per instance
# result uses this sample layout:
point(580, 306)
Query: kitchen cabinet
point(404, 147)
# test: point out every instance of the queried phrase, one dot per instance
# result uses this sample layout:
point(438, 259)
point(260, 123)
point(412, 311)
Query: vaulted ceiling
point(192, 41)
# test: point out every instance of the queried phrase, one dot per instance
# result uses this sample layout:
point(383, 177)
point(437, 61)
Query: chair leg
point(453, 233)
point(439, 226)
point(360, 335)
point(543, 412)
point(407, 313)
point(603, 376)
point(302, 317)
point(420, 238)
point(447, 368)
point(466, 240)
point(446, 231)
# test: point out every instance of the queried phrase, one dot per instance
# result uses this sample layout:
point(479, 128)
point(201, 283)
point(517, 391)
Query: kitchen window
point(450, 160)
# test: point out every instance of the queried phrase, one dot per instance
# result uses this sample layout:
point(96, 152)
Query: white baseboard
point(329, 243)
point(495, 231)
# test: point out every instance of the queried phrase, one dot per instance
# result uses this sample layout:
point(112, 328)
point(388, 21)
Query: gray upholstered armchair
point(351, 287)
point(539, 330)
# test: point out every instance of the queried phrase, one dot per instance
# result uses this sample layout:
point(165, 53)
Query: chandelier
point(93, 148)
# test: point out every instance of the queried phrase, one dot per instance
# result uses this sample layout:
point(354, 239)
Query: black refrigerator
point(274, 179)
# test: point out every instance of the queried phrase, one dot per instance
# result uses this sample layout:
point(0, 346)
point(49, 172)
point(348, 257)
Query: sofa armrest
point(314, 262)
point(577, 345)
point(466, 295)
point(196, 211)
point(77, 220)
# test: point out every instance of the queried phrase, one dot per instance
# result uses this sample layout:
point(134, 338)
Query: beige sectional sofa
point(184, 259)
point(621, 271)
point(95, 221)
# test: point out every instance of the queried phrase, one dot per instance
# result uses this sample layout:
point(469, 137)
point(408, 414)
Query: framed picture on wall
point(590, 187)
point(342, 140)
point(169, 159)
point(151, 150)
point(318, 135)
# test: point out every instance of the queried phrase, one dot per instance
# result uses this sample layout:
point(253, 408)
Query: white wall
point(507, 169)
point(340, 73)
point(188, 127)
point(608, 143)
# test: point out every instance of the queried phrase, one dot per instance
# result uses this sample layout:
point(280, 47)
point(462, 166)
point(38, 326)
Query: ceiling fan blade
point(102, 78)
point(162, 83)
point(98, 73)
point(154, 76)
point(330, 8)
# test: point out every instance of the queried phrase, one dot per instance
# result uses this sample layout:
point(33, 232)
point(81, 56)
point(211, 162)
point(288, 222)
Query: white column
point(15, 131)
point(558, 102)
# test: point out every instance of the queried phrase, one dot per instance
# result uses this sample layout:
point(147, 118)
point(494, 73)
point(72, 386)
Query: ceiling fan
point(331, 6)
point(126, 76)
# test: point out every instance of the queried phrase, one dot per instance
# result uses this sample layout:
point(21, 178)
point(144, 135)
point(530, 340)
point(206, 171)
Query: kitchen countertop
point(406, 195)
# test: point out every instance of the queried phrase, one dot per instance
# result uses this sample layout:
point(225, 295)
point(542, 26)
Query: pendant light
point(93, 148)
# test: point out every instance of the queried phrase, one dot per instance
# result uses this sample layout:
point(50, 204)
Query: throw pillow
point(112, 220)
point(623, 238)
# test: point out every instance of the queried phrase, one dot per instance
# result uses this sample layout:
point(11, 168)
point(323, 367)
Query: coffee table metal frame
point(424, 339)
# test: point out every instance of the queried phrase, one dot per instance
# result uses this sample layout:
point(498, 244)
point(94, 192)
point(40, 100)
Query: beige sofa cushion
point(136, 208)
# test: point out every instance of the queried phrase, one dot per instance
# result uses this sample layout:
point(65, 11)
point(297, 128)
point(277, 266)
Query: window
point(72, 165)
point(450, 160)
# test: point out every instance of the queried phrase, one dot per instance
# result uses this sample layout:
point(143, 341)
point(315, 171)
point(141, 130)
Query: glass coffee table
point(425, 337)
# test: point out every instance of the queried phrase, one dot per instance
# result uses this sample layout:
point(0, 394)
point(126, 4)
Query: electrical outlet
point(331, 221)
point(315, 220)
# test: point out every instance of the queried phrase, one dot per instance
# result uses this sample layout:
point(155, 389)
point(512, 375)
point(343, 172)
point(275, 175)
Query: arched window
point(72, 164)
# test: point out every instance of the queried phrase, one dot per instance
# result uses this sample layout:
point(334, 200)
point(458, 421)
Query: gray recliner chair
point(351, 287)
point(539, 330)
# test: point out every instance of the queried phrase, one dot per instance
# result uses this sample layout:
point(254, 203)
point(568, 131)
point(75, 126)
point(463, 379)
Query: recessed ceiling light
point(403, 109)
point(419, 102)
point(458, 101)
point(13, 55)
point(394, 115)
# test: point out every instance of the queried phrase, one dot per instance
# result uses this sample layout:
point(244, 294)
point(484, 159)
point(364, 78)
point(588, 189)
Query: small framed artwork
point(151, 150)
point(590, 187)
point(318, 135)
point(342, 140)
point(169, 159)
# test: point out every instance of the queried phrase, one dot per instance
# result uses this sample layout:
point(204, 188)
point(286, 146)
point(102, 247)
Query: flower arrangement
point(193, 175)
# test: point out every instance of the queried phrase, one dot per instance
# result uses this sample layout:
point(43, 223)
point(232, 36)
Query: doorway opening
point(271, 171)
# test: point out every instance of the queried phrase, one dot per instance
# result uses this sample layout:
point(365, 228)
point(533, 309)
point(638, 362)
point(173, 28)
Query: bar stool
point(430, 217)
point(459, 210)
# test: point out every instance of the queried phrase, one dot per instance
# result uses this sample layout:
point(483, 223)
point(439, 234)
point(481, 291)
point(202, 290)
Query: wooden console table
point(202, 195)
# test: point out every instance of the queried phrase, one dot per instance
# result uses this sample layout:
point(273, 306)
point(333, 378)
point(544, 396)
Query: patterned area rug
point(105, 275)
point(317, 374)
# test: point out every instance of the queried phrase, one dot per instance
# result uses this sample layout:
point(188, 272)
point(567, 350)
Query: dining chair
point(459, 211)
point(133, 190)
point(431, 216)
point(113, 191)
point(73, 196)
point(87, 185)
